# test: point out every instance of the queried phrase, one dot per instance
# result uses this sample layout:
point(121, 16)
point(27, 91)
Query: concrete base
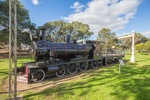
point(132, 59)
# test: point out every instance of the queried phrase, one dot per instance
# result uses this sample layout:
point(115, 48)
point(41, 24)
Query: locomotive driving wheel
point(83, 66)
point(61, 72)
point(72, 68)
point(39, 75)
point(94, 64)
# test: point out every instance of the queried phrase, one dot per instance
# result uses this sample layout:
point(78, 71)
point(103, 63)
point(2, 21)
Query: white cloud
point(77, 7)
point(35, 2)
point(113, 14)
point(146, 33)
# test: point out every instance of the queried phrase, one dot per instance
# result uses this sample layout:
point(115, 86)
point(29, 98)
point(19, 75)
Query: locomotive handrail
point(65, 63)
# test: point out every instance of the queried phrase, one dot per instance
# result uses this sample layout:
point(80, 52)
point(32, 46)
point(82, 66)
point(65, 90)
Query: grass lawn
point(4, 72)
point(105, 83)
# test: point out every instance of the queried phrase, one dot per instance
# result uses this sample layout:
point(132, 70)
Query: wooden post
point(12, 49)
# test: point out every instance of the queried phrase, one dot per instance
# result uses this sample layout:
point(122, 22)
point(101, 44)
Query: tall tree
point(105, 35)
point(80, 30)
point(139, 38)
point(23, 19)
point(56, 30)
point(76, 29)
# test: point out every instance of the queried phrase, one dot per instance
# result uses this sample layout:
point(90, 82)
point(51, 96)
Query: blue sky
point(121, 16)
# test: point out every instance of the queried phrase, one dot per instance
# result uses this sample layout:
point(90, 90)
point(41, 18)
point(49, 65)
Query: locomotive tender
point(57, 58)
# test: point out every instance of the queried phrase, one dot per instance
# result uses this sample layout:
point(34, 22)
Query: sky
point(121, 16)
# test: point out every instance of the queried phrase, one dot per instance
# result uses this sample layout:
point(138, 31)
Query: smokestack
point(68, 38)
point(43, 34)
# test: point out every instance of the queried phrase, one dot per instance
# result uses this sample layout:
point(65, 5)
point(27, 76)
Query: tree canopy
point(105, 35)
point(76, 29)
point(147, 46)
point(23, 19)
point(139, 38)
point(143, 46)
point(139, 47)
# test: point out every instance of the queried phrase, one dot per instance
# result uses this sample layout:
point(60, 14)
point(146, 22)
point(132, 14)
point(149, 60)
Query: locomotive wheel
point(94, 64)
point(116, 60)
point(39, 75)
point(60, 73)
point(83, 66)
point(108, 62)
point(72, 68)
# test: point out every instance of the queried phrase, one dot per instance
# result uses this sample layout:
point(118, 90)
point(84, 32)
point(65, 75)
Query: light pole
point(132, 57)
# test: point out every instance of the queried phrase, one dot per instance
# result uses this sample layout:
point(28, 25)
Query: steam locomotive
point(55, 58)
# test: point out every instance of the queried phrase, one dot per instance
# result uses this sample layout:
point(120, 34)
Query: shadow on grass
point(3, 72)
point(142, 60)
point(143, 53)
point(24, 57)
point(3, 60)
point(133, 81)
point(85, 85)
point(137, 83)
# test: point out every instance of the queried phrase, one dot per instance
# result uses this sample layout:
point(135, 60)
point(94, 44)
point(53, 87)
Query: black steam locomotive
point(54, 58)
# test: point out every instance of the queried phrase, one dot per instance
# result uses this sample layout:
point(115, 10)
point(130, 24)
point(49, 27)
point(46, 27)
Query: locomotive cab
point(95, 51)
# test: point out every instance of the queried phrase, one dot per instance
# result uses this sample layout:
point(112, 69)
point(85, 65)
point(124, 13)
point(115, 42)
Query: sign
point(121, 62)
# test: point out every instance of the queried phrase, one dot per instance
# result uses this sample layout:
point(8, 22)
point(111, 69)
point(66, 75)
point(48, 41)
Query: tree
point(147, 46)
point(139, 38)
point(139, 47)
point(110, 38)
point(58, 29)
point(126, 42)
point(23, 19)
point(80, 30)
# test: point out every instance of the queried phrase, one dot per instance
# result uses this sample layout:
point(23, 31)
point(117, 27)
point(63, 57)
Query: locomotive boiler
point(48, 51)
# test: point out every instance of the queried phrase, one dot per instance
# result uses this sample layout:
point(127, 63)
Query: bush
point(139, 47)
point(147, 46)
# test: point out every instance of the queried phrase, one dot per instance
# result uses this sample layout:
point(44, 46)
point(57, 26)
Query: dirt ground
point(4, 53)
point(47, 83)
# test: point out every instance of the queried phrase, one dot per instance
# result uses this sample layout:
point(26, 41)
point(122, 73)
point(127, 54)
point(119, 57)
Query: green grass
point(133, 83)
point(4, 71)
point(4, 65)
point(105, 84)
